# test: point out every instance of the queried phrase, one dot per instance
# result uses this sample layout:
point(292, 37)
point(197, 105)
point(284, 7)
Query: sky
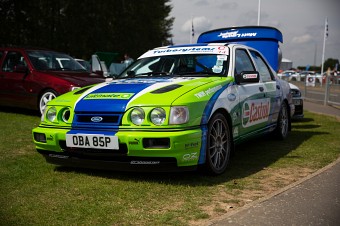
point(302, 23)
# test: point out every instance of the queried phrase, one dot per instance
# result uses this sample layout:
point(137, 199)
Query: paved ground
point(314, 200)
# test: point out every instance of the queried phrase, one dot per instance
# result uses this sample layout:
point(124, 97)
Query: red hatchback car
point(30, 77)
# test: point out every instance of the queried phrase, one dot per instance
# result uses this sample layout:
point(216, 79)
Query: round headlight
point(51, 114)
point(157, 116)
point(137, 116)
point(66, 115)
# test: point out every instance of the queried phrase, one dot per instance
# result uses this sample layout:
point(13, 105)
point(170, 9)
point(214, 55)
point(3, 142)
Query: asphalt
point(314, 200)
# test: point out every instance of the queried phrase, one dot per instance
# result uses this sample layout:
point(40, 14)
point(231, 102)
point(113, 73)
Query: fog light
point(40, 137)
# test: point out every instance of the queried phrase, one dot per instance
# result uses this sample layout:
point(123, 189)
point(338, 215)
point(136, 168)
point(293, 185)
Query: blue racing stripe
point(205, 120)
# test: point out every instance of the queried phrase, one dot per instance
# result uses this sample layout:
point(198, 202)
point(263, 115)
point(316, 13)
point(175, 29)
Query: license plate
point(97, 141)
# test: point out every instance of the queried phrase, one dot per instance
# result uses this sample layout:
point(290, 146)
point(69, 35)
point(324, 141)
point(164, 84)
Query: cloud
point(228, 5)
point(201, 24)
point(302, 39)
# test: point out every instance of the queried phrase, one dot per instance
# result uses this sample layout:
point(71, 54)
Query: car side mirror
point(247, 77)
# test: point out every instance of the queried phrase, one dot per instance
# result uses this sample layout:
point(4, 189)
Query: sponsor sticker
point(101, 96)
point(208, 91)
point(255, 112)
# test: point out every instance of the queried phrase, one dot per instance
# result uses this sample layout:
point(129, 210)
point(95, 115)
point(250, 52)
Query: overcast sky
point(301, 22)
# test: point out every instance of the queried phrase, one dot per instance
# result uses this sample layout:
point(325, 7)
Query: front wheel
point(218, 146)
point(45, 98)
point(283, 121)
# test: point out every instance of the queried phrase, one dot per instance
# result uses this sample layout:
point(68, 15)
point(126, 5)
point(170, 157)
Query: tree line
point(81, 28)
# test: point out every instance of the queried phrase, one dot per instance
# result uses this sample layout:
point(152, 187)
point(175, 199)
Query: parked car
point(297, 101)
point(31, 77)
point(175, 108)
point(85, 64)
point(288, 75)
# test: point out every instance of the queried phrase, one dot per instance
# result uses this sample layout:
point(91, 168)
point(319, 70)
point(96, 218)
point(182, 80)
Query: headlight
point(66, 114)
point(51, 114)
point(137, 116)
point(179, 115)
point(157, 116)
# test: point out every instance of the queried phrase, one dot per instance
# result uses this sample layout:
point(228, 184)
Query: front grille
point(87, 119)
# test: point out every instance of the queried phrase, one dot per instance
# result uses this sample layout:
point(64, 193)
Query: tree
point(330, 63)
point(81, 28)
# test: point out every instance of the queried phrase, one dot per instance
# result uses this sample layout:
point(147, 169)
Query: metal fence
point(328, 93)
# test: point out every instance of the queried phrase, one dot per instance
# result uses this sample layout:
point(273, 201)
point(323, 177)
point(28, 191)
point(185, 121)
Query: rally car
point(175, 108)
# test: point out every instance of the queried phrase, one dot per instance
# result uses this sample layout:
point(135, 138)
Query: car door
point(13, 78)
point(272, 87)
point(253, 102)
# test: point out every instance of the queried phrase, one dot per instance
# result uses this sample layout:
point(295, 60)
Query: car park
point(30, 77)
point(297, 101)
point(175, 108)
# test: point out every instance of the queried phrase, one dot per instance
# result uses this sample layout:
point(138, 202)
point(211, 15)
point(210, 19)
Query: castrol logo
point(255, 112)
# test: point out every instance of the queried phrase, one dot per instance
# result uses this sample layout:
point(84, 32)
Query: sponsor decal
point(190, 156)
point(101, 96)
point(191, 145)
point(249, 76)
point(134, 142)
point(235, 34)
point(58, 156)
point(185, 50)
point(145, 162)
point(208, 91)
point(255, 112)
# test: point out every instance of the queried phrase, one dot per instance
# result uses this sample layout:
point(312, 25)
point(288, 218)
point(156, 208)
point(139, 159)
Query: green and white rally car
point(175, 108)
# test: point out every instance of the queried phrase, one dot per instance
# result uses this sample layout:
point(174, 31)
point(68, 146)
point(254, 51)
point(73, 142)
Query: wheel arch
point(227, 116)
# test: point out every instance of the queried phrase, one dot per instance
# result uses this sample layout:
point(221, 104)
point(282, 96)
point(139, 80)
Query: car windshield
point(178, 65)
point(49, 60)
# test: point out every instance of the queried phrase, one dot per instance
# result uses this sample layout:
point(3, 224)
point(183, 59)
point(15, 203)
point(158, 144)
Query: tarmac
point(314, 200)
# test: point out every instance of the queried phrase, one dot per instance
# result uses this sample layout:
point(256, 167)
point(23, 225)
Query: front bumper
point(136, 150)
point(298, 104)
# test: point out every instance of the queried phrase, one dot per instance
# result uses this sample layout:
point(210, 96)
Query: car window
point(262, 67)
point(49, 60)
point(243, 61)
point(12, 60)
point(182, 64)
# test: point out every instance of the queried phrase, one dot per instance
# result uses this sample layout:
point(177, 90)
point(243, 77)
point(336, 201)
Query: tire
point(45, 98)
point(219, 145)
point(283, 123)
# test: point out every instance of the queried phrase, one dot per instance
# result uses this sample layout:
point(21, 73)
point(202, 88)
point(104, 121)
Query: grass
point(34, 192)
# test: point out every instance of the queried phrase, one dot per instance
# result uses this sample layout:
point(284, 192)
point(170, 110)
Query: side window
point(243, 61)
point(263, 68)
point(12, 60)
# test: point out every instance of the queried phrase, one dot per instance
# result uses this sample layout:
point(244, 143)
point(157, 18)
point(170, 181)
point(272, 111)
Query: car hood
point(79, 78)
point(120, 95)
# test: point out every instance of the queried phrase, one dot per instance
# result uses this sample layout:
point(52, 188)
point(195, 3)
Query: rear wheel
point(45, 98)
point(283, 121)
point(218, 145)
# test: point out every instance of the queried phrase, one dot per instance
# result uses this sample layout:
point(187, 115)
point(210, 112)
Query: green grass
point(34, 192)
